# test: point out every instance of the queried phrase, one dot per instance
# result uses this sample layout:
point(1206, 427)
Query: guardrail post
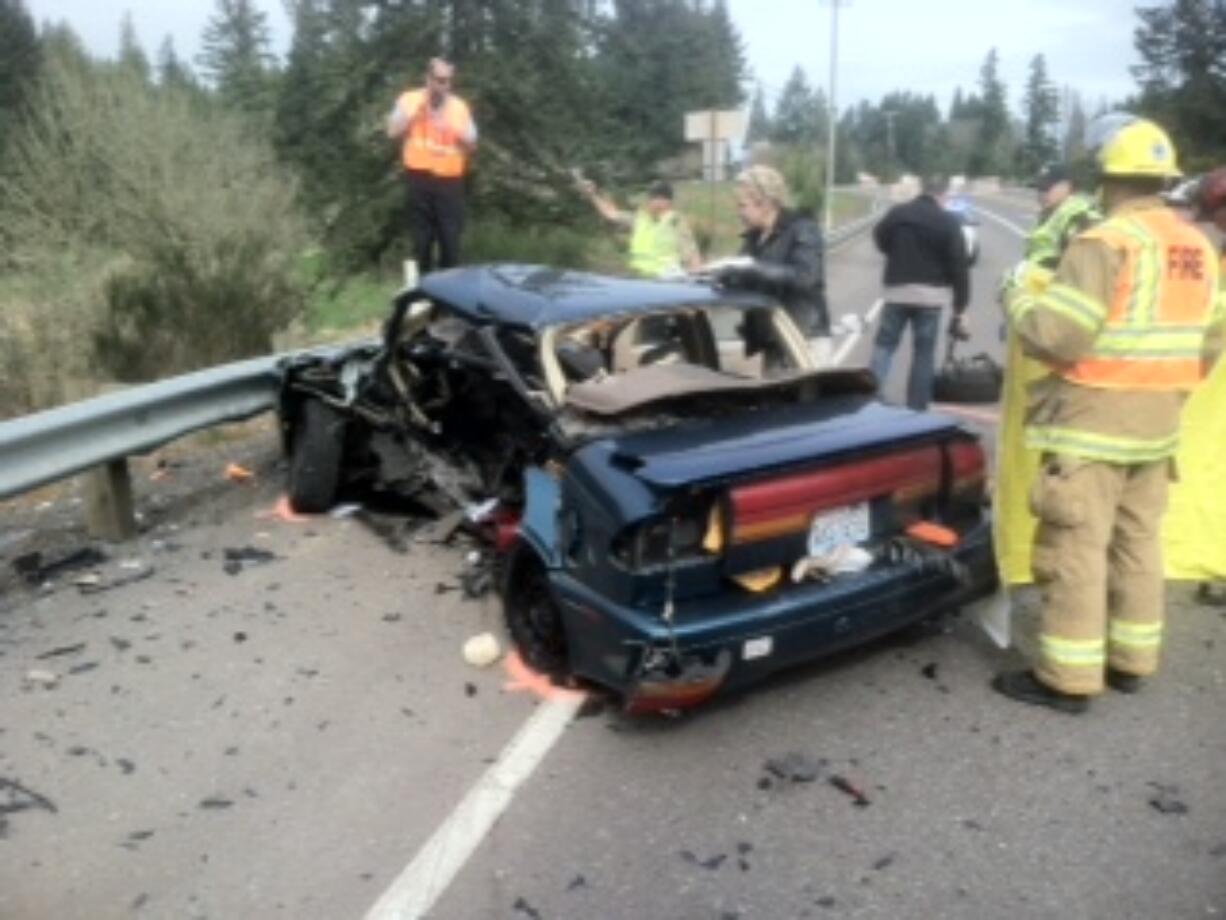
point(108, 502)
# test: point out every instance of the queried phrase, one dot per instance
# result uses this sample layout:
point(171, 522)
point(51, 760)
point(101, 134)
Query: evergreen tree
point(1074, 143)
point(1182, 46)
point(172, 71)
point(993, 135)
point(1042, 115)
point(19, 62)
point(955, 106)
point(759, 128)
point(798, 118)
point(236, 57)
point(132, 57)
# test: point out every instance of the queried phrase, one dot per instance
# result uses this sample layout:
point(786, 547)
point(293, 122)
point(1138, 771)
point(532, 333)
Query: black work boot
point(1026, 688)
point(1123, 681)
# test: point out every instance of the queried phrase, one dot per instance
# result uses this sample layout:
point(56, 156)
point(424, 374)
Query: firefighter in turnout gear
point(1131, 322)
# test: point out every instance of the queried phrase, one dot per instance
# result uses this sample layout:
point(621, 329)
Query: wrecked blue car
point(681, 501)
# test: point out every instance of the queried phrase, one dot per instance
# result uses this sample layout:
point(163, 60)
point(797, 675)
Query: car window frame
point(556, 382)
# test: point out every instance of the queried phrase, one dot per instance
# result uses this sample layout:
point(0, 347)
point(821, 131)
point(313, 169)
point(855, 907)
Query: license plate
point(838, 527)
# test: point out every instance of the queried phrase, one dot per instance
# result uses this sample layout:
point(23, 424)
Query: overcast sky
point(927, 46)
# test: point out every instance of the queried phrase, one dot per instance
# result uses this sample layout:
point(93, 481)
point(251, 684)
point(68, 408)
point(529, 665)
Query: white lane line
point(425, 879)
point(1003, 221)
point(849, 343)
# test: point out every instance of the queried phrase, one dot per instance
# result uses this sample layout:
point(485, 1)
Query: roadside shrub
point(195, 225)
point(803, 170)
point(493, 239)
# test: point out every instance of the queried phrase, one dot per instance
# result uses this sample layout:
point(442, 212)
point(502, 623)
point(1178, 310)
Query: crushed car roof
point(538, 296)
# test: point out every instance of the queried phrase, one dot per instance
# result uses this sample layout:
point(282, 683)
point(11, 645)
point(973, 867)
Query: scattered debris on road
point(16, 798)
point(929, 670)
point(42, 678)
point(394, 532)
point(576, 883)
point(242, 557)
point(215, 803)
point(35, 571)
point(477, 579)
point(61, 651)
point(1165, 800)
point(521, 906)
point(795, 766)
point(96, 582)
point(845, 785)
point(482, 650)
point(711, 863)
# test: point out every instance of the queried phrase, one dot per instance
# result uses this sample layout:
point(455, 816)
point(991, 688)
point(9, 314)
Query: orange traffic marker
point(523, 679)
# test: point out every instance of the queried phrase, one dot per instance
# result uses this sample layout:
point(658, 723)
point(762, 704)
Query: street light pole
point(833, 113)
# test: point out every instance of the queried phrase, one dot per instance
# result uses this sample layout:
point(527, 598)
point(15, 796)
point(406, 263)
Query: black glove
point(734, 276)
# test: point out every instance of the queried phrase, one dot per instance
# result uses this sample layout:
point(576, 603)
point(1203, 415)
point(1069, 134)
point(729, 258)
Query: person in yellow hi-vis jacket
point(1128, 326)
point(1063, 214)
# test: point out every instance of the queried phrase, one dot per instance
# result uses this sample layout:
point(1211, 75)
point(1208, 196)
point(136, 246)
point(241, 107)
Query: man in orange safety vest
point(438, 136)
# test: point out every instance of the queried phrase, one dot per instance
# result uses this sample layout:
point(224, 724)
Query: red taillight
point(968, 465)
point(786, 505)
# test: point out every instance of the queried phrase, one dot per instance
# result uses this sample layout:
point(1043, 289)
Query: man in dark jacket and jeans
point(925, 271)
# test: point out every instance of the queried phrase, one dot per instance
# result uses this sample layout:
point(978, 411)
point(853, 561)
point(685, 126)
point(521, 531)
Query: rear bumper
point(736, 638)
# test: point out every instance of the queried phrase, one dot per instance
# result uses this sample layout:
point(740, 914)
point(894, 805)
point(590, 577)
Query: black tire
point(532, 614)
point(316, 452)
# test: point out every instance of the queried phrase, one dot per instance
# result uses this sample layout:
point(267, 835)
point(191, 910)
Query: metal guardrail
point(48, 446)
point(52, 445)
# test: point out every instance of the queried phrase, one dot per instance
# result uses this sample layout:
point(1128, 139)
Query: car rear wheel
point(317, 449)
point(533, 617)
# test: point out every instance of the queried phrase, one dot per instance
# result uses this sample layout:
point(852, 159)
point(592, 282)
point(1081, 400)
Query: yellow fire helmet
point(1130, 146)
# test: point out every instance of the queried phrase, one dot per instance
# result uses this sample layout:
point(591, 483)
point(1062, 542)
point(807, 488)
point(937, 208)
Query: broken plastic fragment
point(42, 678)
point(482, 511)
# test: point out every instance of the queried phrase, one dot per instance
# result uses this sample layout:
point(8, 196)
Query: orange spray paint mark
point(523, 679)
point(282, 511)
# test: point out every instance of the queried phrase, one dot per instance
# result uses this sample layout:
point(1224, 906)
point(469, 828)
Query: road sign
point(715, 129)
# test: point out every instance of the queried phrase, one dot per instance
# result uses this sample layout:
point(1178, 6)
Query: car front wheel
point(316, 452)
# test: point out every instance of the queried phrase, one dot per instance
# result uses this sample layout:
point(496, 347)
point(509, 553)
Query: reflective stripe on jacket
point(431, 144)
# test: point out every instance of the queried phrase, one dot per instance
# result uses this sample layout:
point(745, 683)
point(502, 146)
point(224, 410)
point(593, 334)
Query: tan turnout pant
point(1098, 562)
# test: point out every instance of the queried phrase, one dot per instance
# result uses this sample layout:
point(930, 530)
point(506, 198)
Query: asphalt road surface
point(299, 736)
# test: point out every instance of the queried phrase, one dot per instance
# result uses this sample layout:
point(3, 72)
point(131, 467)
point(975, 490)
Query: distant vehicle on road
point(683, 503)
point(960, 208)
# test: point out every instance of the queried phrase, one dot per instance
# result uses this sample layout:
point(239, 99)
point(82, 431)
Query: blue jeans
point(925, 327)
